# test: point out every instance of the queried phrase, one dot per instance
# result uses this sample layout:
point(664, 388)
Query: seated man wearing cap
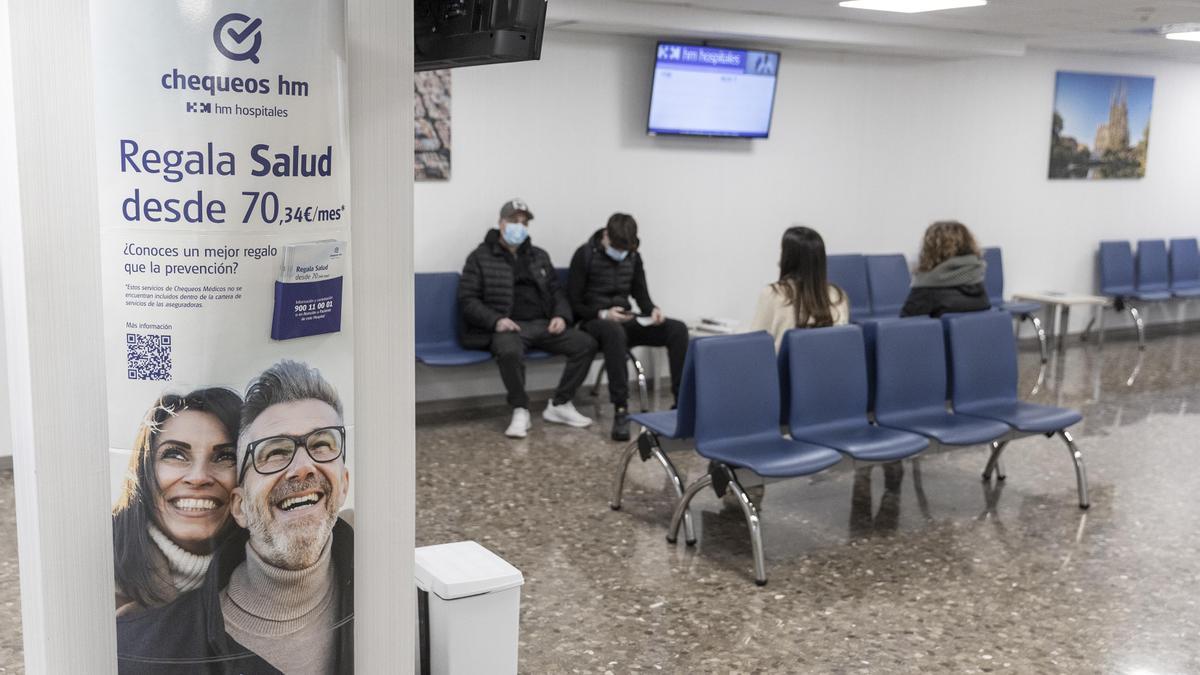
point(605, 272)
point(511, 300)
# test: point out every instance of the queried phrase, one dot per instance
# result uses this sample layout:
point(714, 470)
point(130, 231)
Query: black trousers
point(509, 350)
point(616, 337)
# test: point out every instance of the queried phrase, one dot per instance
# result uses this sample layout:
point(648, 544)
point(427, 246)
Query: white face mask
point(515, 233)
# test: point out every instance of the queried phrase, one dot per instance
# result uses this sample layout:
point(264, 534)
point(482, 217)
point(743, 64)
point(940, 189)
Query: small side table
point(1057, 310)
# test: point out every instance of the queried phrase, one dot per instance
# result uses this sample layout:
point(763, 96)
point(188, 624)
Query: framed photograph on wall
point(1101, 125)
point(432, 118)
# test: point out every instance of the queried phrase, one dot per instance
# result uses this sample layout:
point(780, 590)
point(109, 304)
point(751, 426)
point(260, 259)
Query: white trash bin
point(469, 610)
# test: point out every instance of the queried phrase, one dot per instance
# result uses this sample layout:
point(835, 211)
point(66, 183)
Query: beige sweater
point(774, 315)
point(285, 616)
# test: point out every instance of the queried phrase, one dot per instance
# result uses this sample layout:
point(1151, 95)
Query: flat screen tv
point(712, 91)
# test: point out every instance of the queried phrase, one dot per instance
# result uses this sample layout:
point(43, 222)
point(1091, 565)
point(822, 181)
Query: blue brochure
point(308, 293)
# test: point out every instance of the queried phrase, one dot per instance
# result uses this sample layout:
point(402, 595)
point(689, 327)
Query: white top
point(462, 569)
point(774, 315)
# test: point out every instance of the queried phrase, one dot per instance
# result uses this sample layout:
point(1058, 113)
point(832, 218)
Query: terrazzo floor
point(919, 568)
point(924, 569)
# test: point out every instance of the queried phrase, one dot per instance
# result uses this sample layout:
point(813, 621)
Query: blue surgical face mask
point(515, 234)
point(615, 254)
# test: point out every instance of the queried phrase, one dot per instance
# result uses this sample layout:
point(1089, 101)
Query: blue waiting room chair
point(678, 424)
point(1118, 280)
point(436, 325)
point(737, 428)
point(983, 383)
point(993, 281)
point(1185, 268)
point(849, 273)
point(826, 374)
point(910, 386)
point(889, 281)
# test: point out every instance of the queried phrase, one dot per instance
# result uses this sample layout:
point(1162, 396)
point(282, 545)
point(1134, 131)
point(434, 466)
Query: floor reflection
point(908, 567)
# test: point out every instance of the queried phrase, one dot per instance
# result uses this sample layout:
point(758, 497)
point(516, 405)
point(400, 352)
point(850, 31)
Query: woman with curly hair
point(949, 274)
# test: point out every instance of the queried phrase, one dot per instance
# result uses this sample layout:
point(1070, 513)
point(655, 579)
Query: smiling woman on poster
point(174, 506)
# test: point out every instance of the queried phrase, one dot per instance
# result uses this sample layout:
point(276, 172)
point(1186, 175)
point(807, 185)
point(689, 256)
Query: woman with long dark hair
point(174, 505)
point(803, 296)
point(949, 274)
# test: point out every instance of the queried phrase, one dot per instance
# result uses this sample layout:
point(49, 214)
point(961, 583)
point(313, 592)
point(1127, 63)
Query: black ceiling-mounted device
point(458, 33)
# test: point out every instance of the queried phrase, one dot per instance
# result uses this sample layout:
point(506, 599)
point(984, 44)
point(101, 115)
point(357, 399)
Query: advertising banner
point(224, 201)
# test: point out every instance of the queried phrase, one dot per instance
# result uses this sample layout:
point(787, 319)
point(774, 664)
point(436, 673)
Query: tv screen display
point(712, 91)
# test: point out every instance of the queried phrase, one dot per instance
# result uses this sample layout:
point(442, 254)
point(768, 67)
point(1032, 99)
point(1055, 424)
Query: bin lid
point(462, 569)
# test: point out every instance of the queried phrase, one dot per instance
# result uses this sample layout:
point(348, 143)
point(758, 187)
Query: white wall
point(867, 149)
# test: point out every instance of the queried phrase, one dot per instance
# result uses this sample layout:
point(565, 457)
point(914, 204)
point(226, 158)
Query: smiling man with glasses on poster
point(279, 596)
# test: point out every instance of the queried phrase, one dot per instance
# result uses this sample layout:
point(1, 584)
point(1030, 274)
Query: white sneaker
point(519, 425)
point(565, 414)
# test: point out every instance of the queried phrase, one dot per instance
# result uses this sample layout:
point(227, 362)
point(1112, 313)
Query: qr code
point(148, 357)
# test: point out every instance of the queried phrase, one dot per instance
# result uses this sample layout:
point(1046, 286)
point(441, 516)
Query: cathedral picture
point(1101, 126)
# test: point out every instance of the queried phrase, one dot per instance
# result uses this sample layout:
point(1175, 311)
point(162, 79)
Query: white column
point(50, 265)
point(381, 145)
point(49, 258)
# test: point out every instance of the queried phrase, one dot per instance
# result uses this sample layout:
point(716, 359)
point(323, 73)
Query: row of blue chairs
point(824, 387)
point(436, 330)
point(878, 285)
point(1157, 274)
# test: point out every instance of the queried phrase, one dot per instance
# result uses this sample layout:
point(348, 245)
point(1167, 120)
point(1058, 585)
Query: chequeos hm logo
point(238, 37)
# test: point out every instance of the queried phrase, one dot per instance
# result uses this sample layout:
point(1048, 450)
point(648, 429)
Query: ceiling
point(1125, 27)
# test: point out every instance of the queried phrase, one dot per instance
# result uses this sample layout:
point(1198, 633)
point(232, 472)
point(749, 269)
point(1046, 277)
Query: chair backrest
point(993, 278)
point(982, 357)
point(737, 390)
point(910, 366)
point(436, 301)
point(849, 272)
point(827, 377)
point(1116, 268)
point(685, 402)
point(1153, 273)
point(1185, 263)
point(888, 278)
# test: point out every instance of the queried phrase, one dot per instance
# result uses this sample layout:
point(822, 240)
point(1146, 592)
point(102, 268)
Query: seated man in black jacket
point(511, 300)
point(604, 273)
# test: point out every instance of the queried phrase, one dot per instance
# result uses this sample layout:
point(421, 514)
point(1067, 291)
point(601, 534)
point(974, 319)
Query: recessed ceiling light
point(1181, 31)
point(911, 6)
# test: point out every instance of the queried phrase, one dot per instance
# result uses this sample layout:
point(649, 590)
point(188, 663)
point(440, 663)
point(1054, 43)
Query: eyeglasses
point(275, 453)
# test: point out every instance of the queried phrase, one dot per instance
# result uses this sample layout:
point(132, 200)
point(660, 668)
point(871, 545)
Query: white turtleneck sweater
point(187, 569)
point(287, 617)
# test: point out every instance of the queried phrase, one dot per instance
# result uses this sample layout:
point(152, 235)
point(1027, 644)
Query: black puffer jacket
point(485, 292)
point(598, 282)
point(930, 301)
point(954, 285)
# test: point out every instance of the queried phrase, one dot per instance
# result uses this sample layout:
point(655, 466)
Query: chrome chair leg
point(752, 522)
point(682, 507)
point(689, 532)
point(1141, 327)
point(1041, 334)
point(1080, 470)
point(618, 484)
point(993, 463)
point(643, 392)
